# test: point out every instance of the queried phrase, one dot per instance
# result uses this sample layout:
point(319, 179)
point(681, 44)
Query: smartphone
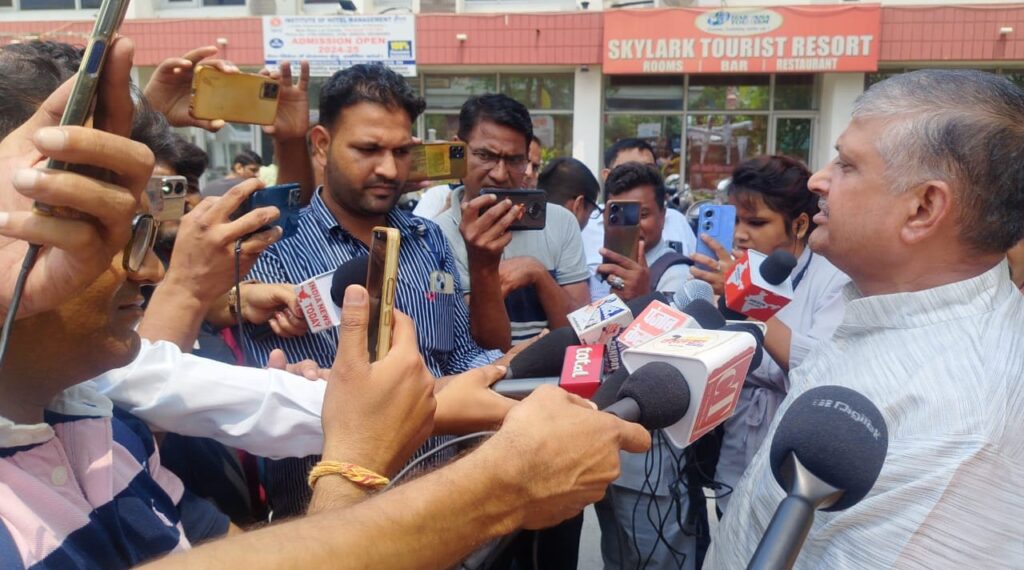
point(83, 93)
point(535, 207)
point(381, 279)
point(622, 227)
point(285, 197)
point(438, 161)
point(719, 222)
point(166, 197)
point(233, 97)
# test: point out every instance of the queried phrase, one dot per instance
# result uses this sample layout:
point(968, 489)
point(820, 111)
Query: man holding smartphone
point(517, 282)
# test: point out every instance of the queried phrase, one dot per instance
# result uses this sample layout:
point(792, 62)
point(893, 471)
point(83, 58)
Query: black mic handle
point(729, 314)
point(626, 409)
point(519, 388)
point(781, 542)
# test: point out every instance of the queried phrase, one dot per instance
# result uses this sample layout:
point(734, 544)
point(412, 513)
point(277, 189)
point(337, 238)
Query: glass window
point(88, 4)
point(728, 93)
point(47, 4)
point(640, 93)
point(793, 137)
point(440, 127)
point(451, 91)
point(794, 93)
point(663, 132)
point(539, 91)
point(223, 2)
point(1016, 76)
point(555, 134)
point(6, 3)
point(715, 144)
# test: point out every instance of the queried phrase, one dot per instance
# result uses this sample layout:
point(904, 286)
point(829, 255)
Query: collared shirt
point(86, 489)
point(812, 316)
point(321, 245)
point(945, 367)
point(558, 247)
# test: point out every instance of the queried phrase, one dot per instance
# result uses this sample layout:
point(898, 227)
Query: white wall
point(838, 91)
point(586, 121)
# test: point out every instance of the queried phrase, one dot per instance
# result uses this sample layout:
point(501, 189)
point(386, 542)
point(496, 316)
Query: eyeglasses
point(597, 212)
point(144, 229)
point(489, 160)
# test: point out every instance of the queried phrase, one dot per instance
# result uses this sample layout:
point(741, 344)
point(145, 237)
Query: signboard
point(331, 43)
point(742, 40)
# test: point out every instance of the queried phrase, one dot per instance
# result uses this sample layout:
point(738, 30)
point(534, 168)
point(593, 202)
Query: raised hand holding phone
point(381, 280)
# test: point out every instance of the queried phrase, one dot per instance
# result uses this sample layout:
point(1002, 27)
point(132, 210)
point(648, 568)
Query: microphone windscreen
point(777, 266)
point(755, 331)
point(544, 357)
point(692, 290)
point(838, 435)
point(637, 305)
point(706, 315)
point(352, 272)
point(608, 393)
point(661, 393)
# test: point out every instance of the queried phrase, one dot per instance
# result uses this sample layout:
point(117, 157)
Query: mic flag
point(759, 285)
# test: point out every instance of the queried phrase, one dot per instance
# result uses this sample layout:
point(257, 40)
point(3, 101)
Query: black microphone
point(827, 453)
point(706, 315)
point(655, 396)
point(754, 331)
point(777, 267)
point(352, 272)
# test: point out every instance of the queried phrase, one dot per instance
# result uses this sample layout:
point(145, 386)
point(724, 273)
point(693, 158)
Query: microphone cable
point(19, 288)
point(480, 435)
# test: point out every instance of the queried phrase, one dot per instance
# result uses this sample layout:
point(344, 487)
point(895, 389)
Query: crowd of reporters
point(201, 340)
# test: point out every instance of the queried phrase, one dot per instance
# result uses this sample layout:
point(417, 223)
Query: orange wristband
point(361, 476)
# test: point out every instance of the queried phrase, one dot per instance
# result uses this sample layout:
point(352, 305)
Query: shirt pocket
point(436, 327)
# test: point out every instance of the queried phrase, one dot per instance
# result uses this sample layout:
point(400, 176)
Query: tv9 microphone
point(320, 298)
point(827, 452)
point(655, 396)
point(759, 285)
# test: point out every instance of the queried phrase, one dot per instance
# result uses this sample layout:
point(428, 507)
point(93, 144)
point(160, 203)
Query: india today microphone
point(320, 298)
point(827, 452)
point(759, 285)
point(582, 374)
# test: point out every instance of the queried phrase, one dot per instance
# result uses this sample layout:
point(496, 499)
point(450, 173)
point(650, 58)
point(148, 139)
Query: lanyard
point(800, 276)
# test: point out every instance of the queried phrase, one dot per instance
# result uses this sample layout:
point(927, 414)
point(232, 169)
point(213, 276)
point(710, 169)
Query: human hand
point(486, 235)
point(275, 304)
point(516, 349)
point(75, 251)
point(292, 119)
point(518, 272)
point(720, 269)
point(376, 415)
point(560, 454)
point(203, 260)
point(169, 91)
point(308, 369)
point(634, 274)
point(466, 403)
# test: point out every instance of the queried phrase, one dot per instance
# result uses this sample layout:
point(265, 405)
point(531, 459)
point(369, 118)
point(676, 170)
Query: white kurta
point(945, 366)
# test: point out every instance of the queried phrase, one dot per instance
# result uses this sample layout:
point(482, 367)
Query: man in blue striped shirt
point(363, 145)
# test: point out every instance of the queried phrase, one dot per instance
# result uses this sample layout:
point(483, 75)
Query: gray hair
point(966, 128)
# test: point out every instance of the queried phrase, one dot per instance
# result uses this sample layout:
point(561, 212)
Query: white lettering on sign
point(831, 46)
point(579, 367)
point(671, 48)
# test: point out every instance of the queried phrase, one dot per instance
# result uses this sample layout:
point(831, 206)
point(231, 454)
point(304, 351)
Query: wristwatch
point(234, 299)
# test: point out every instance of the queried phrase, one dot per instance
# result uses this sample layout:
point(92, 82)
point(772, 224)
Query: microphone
point(706, 315)
point(581, 374)
point(312, 294)
point(691, 291)
point(352, 272)
point(759, 285)
point(754, 331)
point(827, 452)
point(655, 396)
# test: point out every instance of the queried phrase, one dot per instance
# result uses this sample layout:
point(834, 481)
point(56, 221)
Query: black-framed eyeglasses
point(489, 160)
point(597, 211)
point(144, 230)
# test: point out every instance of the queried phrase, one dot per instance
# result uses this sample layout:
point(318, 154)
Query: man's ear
point(929, 210)
point(321, 142)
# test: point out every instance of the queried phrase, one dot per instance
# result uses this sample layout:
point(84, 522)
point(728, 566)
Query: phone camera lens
point(707, 226)
point(708, 213)
point(613, 219)
point(179, 189)
point(615, 207)
point(534, 210)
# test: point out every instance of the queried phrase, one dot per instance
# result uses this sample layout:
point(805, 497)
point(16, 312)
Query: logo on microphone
point(579, 367)
point(758, 302)
point(849, 411)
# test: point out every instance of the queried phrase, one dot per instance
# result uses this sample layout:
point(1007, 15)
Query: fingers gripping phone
point(535, 207)
point(83, 94)
point(622, 228)
point(719, 222)
point(381, 280)
point(438, 161)
point(234, 97)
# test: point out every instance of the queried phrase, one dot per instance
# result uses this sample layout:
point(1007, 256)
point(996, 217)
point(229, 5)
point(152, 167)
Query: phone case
point(381, 279)
point(166, 197)
point(717, 221)
point(535, 213)
point(233, 97)
point(438, 161)
point(622, 227)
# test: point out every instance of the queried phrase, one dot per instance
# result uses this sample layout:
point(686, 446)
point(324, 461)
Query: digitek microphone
point(655, 396)
point(581, 374)
point(759, 285)
point(827, 452)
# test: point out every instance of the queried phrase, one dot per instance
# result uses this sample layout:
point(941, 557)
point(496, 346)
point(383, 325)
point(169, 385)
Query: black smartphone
point(285, 197)
point(535, 207)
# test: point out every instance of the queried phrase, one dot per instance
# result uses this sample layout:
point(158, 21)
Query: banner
point(742, 40)
point(331, 43)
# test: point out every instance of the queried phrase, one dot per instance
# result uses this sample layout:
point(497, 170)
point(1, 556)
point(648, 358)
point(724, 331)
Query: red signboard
point(742, 40)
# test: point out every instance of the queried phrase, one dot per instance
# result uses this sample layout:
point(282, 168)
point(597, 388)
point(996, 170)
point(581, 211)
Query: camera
point(166, 197)
point(285, 197)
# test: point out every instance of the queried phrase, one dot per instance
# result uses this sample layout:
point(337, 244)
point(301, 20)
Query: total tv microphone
point(759, 285)
point(827, 452)
point(582, 374)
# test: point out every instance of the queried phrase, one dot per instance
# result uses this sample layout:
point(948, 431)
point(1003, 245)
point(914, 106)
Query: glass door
point(794, 137)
